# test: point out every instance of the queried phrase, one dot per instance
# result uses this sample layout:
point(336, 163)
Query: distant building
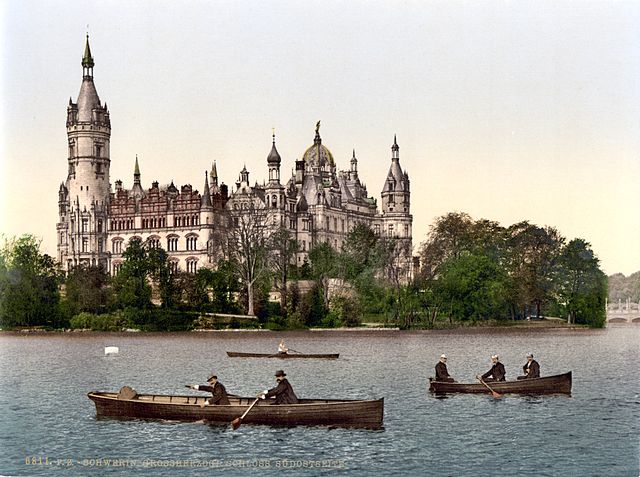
point(317, 204)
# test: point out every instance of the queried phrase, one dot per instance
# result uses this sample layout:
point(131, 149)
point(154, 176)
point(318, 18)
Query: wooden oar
point(295, 351)
point(493, 393)
point(238, 420)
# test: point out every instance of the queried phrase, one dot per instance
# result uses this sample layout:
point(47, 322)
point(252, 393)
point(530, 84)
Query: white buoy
point(111, 350)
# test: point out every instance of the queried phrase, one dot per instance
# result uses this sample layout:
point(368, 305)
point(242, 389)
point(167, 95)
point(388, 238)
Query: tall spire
point(395, 150)
point(206, 195)
point(87, 60)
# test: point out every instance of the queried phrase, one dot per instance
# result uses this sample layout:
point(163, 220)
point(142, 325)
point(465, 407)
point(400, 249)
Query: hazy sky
point(506, 110)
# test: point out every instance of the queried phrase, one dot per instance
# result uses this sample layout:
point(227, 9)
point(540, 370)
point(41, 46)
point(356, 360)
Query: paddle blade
point(236, 423)
point(496, 395)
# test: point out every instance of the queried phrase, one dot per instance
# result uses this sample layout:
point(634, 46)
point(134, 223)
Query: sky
point(505, 110)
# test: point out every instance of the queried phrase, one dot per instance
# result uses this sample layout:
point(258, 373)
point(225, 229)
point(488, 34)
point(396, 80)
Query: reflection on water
point(45, 412)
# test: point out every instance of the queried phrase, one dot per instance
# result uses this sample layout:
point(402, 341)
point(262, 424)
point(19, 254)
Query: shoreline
point(535, 327)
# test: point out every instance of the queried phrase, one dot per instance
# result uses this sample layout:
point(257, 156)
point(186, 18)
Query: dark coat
point(218, 391)
point(283, 393)
point(497, 372)
point(534, 369)
point(441, 372)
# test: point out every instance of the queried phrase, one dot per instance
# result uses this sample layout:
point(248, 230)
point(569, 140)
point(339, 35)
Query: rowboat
point(309, 412)
point(558, 384)
point(236, 354)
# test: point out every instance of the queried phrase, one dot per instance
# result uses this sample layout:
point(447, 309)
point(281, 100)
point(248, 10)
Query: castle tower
point(83, 198)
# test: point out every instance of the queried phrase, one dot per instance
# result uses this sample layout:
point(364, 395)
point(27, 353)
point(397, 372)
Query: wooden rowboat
point(236, 354)
point(309, 412)
point(558, 384)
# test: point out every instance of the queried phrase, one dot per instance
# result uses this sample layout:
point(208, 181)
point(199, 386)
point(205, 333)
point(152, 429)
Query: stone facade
point(317, 204)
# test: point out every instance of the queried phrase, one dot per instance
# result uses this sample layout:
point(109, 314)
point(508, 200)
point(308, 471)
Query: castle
point(317, 204)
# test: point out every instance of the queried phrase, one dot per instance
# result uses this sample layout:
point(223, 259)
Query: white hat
point(494, 356)
point(443, 356)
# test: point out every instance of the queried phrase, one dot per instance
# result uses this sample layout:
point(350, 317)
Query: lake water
point(48, 425)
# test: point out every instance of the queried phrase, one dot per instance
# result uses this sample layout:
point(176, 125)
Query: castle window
point(390, 230)
point(377, 229)
point(99, 225)
point(406, 230)
point(173, 265)
point(192, 242)
point(85, 225)
point(98, 150)
point(172, 244)
point(191, 266)
point(117, 246)
point(100, 246)
point(85, 244)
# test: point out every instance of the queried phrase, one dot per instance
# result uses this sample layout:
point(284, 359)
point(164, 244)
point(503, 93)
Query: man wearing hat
point(283, 392)
point(441, 370)
point(215, 388)
point(497, 371)
point(531, 369)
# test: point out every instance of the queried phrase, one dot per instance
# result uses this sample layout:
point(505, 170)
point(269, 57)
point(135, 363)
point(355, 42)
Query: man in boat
point(497, 371)
point(218, 391)
point(531, 369)
point(282, 349)
point(283, 392)
point(441, 370)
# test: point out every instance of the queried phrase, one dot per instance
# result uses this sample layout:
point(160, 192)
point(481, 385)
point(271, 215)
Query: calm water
point(46, 416)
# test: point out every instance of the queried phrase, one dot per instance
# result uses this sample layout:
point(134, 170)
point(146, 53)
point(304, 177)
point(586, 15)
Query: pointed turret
point(87, 59)
point(274, 157)
point(137, 190)
point(206, 195)
point(88, 99)
point(273, 162)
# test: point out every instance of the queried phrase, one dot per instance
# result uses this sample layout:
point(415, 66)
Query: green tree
point(582, 286)
point(86, 289)
point(29, 285)
point(282, 247)
point(531, 262)
point(323, 260)
point(131, 286)
point(471, 287)
point(358, 251)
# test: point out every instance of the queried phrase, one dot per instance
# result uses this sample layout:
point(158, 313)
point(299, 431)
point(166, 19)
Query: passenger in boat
point(283, 392)
point(282, 349)
point(497, 371)
point(441, 370)
point(531, 369)
point(218, 391)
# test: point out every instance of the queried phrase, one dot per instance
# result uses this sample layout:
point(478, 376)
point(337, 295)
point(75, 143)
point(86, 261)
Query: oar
point(238, 420)
point(493, 393)
point(295, 351)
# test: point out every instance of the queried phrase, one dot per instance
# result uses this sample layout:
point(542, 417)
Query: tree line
point(469, 271)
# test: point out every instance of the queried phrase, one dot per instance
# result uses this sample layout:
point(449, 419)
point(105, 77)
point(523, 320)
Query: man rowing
point(497, 371)
point(283, 392)
point(282, 349)
point(217, 390)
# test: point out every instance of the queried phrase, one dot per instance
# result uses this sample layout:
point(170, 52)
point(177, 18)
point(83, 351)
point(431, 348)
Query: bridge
point(623, 312)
